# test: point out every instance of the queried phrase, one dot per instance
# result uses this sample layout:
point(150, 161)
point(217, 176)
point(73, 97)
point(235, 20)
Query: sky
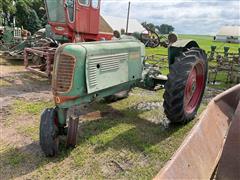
point(186, 16)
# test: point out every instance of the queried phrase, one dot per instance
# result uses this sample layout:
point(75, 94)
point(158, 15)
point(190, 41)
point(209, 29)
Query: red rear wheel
point(194, 87)
point(185, 86)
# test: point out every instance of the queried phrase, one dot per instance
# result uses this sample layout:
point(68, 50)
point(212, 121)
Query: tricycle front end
point(84, 72)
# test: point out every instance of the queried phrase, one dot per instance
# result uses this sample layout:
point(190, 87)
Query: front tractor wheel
point(185, 86)
point(49, 140)
point(72, 132)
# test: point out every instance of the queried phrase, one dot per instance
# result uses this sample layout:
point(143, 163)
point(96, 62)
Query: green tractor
point(88, 71)
point(9, 37)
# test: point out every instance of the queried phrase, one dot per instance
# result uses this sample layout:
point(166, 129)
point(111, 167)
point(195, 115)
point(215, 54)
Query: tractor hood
point(86, 68)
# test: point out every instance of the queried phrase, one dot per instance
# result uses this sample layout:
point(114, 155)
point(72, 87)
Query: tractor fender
point(178, 47)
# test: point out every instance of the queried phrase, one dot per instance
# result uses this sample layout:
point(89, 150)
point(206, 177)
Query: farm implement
point(14, 41)
point(88, 71)
point(224, 62)
point(153, 39)
point(76, 21)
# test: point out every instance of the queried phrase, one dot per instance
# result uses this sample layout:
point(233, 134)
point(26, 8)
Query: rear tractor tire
point(185, 86)
point(49, 139)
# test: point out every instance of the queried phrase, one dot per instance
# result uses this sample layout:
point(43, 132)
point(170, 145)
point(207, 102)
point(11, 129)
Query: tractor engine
point(86, 71)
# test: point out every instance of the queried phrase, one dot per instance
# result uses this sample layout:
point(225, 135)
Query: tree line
point(161, 29)
point(29, 14)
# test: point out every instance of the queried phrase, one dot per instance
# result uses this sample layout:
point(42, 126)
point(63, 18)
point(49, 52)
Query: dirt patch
point(24, 86)
point(21, 85)
point(88, 112)
point(5, 70)
point(111, 168)
point(11, 137)
point(147, 106)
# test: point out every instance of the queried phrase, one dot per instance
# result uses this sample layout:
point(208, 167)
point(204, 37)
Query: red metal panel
point(61, 29)
point(82, 22)
point(94, 20)
point(97, 37)
point(87, 19)
point(85, 26)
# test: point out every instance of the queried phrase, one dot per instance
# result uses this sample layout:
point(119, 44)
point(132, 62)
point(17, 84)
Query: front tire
point(49, 140)
point(72, 132)
point(185, 86)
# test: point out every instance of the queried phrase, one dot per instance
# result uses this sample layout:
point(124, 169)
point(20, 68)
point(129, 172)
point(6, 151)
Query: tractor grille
point(65, 73)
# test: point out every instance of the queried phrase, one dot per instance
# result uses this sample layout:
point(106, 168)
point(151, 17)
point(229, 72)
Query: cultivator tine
point(225, 63)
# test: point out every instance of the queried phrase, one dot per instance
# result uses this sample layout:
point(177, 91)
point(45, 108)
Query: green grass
point(10, 156)
point(31, 131)
point(205, 42)
point(15, 162)
point(123, 145)
point(132, 138)
point(24, 110)
point(14, 158)
point(32, 108)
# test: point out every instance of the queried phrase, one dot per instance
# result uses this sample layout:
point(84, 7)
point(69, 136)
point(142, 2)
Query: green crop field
point(204, 41)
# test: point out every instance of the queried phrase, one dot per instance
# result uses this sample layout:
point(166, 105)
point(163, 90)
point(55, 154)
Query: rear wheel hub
point(194, 87)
